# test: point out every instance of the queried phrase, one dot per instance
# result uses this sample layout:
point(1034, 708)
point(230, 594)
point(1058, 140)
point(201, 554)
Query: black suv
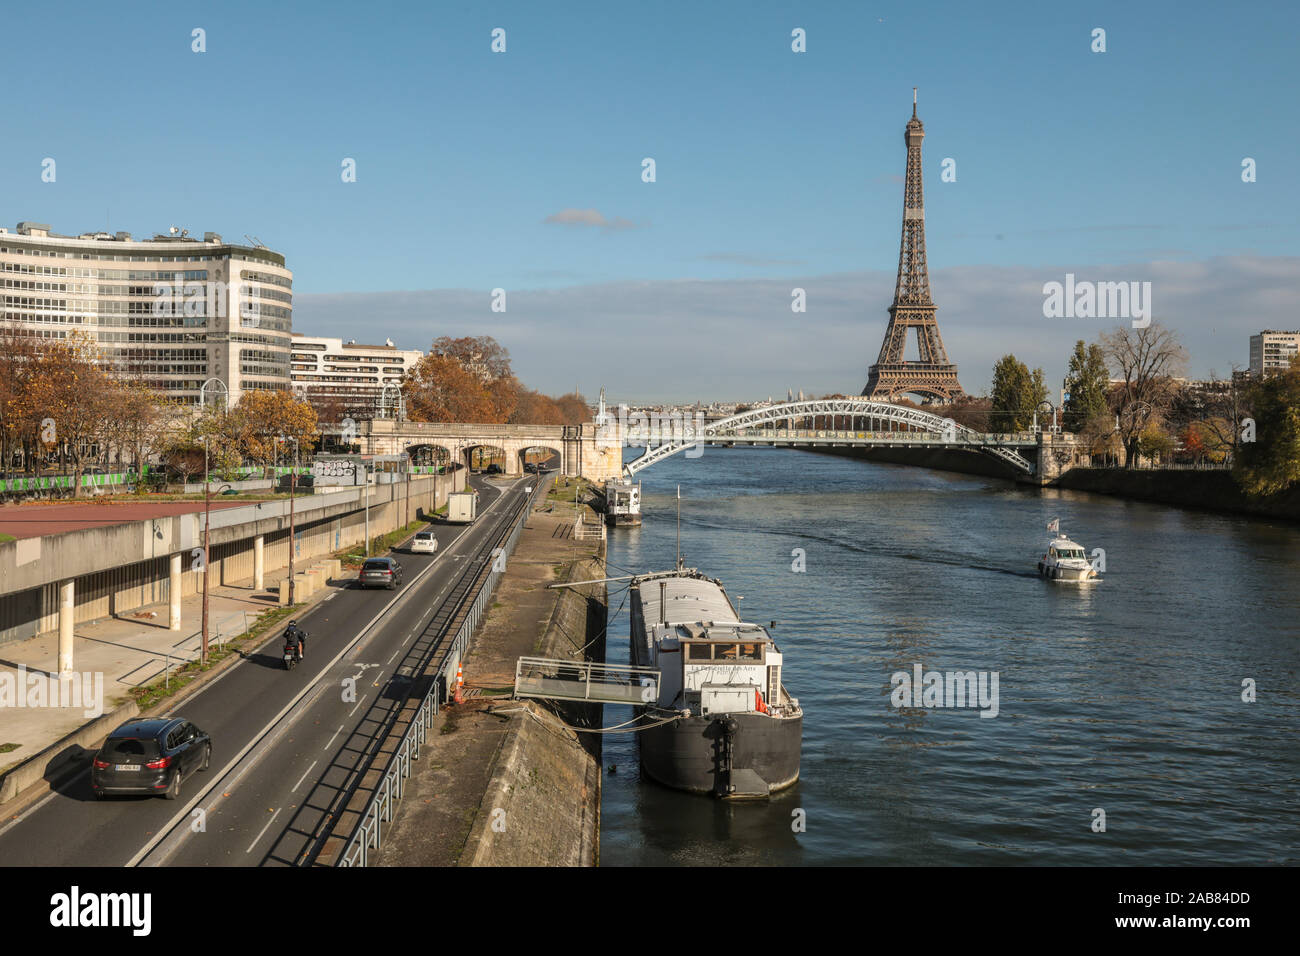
point(150, 756)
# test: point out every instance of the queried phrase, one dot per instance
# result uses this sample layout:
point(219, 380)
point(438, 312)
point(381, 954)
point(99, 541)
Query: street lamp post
point(293, 486)
point(207, 565)
point(203, 401)
point(1052, 408)
point(216, 384)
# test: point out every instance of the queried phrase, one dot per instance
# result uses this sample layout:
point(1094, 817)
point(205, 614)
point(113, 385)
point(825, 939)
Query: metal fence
point(554, 678)
point(584, 532)
point(379, 811)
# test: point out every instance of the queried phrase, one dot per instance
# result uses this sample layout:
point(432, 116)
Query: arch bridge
point(854, 422)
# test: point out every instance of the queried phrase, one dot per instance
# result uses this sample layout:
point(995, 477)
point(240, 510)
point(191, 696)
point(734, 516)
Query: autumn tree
point(440, 389)
point(1268, 458)
point(68, 391)
point(141, 420)
point(17, 416)
point(534, 408)
point(574, 409)
point(971, 411)
point(481, 356)
point(264, 417)
point(1146, 360)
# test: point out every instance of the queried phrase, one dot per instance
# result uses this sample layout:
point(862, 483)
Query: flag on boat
point(1054, 526)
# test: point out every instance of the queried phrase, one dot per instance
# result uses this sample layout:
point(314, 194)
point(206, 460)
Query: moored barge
point(728, 726)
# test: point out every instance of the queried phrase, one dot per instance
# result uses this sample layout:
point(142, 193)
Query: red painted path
point(34, 520)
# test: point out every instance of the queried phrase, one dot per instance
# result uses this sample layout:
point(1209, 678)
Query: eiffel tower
point(933, 377)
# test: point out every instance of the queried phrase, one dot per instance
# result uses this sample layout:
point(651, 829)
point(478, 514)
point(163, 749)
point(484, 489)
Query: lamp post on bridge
point(293, 486)
point(207, 564)
point(1055, 428)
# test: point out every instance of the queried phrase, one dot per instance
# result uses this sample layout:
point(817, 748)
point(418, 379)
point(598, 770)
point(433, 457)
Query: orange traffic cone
point(460, 679)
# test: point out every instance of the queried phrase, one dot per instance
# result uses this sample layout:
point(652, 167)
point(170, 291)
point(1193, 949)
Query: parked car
point(380, 573)
point(150, 756)
point(495, 469)
point(424, 543)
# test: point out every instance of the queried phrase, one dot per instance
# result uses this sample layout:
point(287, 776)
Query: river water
point(1124, 697)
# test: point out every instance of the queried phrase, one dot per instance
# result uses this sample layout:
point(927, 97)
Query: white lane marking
point(303, 777)
point(336, 733)
point(263, 833)
point(162, 832)
point(395, 653)
point(359, 703)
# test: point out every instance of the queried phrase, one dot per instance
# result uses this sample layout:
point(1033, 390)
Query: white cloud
point(688, 339)
point(588, 217)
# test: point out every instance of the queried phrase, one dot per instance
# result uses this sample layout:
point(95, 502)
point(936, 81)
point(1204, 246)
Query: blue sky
point(772, 167)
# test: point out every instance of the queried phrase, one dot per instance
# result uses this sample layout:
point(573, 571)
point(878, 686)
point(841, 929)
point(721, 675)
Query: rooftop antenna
point(249, 239)
point(914, 102)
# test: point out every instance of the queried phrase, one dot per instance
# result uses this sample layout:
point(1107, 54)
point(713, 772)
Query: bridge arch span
point(758, 425)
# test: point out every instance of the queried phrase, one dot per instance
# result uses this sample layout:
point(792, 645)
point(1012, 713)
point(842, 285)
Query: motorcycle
point(291, 656)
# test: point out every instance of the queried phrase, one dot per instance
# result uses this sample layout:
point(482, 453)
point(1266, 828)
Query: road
point(286, 745)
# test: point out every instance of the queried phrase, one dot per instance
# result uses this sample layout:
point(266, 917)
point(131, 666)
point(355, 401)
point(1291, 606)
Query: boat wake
point(967, 561)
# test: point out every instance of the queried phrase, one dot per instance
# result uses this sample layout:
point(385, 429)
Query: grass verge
point(160, 689)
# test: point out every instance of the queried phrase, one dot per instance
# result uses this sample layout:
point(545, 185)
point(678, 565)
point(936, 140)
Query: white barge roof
point(687, 600)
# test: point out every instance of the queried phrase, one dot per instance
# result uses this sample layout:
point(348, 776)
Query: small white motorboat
point(1066, 560)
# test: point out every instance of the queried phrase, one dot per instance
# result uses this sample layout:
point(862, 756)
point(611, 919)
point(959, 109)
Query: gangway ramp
point(560, 679)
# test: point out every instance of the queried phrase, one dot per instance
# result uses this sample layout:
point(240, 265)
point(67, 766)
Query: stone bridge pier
point(1057, 453)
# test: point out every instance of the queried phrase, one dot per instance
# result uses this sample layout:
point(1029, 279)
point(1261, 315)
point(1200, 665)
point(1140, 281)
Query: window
point(698, 652)
point(130, 747)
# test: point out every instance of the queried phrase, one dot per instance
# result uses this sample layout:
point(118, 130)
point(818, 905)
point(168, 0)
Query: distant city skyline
point(522, 171)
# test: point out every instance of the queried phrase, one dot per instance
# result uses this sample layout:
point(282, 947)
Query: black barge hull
point(735, 756)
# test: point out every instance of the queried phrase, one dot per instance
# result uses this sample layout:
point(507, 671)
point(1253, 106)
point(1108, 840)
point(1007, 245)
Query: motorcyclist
point(293, 634)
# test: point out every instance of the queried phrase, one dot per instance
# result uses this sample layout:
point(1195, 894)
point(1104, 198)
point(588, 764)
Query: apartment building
point(344, 379)
point(172, 310)
point(1271, 351)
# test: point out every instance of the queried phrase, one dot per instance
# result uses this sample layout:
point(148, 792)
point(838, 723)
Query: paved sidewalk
point(128, 651)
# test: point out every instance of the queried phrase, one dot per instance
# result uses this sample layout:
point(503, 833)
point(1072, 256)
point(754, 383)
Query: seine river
point(1124, 698)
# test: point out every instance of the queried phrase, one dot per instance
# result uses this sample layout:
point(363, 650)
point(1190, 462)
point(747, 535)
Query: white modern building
point(1271, 351)
point(346, 379)
point(172, 311)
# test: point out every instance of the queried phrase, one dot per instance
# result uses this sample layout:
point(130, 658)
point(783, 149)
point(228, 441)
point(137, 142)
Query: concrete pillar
point(67, 610)
point(259, 563)
point(174, 592)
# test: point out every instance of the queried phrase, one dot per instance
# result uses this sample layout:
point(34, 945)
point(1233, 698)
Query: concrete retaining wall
point(542, 804)
point(939, 459)
point(1203, 490)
